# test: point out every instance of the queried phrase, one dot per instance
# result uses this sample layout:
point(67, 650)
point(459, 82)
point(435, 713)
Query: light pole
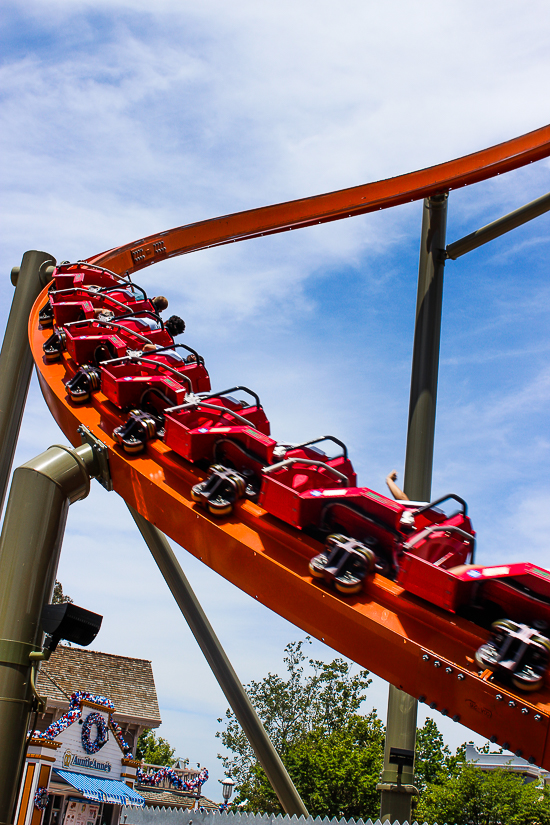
point(227, 789)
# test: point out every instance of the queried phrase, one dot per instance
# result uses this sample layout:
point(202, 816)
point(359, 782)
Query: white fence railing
point(176, 816)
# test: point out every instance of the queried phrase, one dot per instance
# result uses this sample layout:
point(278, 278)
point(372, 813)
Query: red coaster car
point(78, 303)
point(152, 379)
point(519, 591)
point(312, 495)
point(513, 600)
point(221, 428)
point(88, 378)
point(294, 489)
point(394, 528)
point(81, 273)
point(91, 342)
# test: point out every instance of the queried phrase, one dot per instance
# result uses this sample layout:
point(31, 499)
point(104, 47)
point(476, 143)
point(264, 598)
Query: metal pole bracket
point(398, 787)
point(101, 455)
point(16, 653)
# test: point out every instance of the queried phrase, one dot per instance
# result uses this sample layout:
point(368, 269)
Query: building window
point(54, 810)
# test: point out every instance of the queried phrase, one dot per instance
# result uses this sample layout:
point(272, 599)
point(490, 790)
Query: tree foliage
point(154, 749)
point(433, 759)
point(469, 796)
point(332, 754)
point(59, 597)
point(335, 774)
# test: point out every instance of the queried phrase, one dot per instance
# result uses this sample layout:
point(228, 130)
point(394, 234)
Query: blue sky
point(119, 121)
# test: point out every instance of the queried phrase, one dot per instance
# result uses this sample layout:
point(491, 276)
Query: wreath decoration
point(102, 732)
point(41, 798)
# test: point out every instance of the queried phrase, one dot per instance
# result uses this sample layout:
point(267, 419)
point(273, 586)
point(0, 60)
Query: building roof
point(165, 798)
point(500, 761)
point(129, 683)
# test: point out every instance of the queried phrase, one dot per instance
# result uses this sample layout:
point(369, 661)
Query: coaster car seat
point(91, 342)
point(293, 489)
point(77, 303)
point(81, 273)
point(135, 380)
point(220, 428)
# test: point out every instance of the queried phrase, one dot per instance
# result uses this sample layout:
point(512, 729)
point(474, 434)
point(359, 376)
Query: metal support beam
point(30, 543)
point(402, 709)
point(425, 361)
point(221, 666)
point(499, 227)
point(15, 358)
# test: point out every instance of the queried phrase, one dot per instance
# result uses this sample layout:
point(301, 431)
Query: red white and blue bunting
point(75, 712)
point(154, 779)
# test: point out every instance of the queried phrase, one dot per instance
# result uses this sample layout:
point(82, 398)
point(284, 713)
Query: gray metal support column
point(15, 358)
point(30, 543)
point(425, 361)
point(221, 666)
point(402, 709)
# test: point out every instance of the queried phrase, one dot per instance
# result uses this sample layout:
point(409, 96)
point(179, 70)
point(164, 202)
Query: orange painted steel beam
point(332, 206)
point(419, 648)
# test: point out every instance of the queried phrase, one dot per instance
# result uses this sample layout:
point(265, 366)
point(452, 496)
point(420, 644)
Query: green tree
point(433, 759)
point(154, 749)
point(470, 796)
point(332, 754)
point(335, 774)
point(58, 596)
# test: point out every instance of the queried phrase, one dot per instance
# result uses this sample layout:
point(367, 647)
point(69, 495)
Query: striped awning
point(102, 790)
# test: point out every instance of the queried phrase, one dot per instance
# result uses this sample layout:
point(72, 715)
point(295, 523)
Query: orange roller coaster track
point(332, 206)
point(423, 650)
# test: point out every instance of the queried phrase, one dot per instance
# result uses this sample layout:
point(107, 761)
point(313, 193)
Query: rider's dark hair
point(174, 325)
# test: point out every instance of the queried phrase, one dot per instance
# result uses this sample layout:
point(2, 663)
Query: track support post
point(220, 665)
point(30, 544)
point(15, 358)
point(396, 798)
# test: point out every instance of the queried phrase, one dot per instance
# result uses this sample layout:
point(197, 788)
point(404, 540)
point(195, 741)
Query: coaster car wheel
point(83, 383)
point(506, 625)
point(383, 565)
point(487, 657)
point(196, 491)
point(54, 346)
point(79, 396)
point(220, 507)
point(527, 679)
point(344, 565)
point(131, 445)
point(138, 430)
point(348, 584)
point(317, 565)
point(219, 492)
point(45, 316)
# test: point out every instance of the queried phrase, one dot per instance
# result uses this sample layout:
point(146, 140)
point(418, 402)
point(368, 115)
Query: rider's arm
point(396, 491)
